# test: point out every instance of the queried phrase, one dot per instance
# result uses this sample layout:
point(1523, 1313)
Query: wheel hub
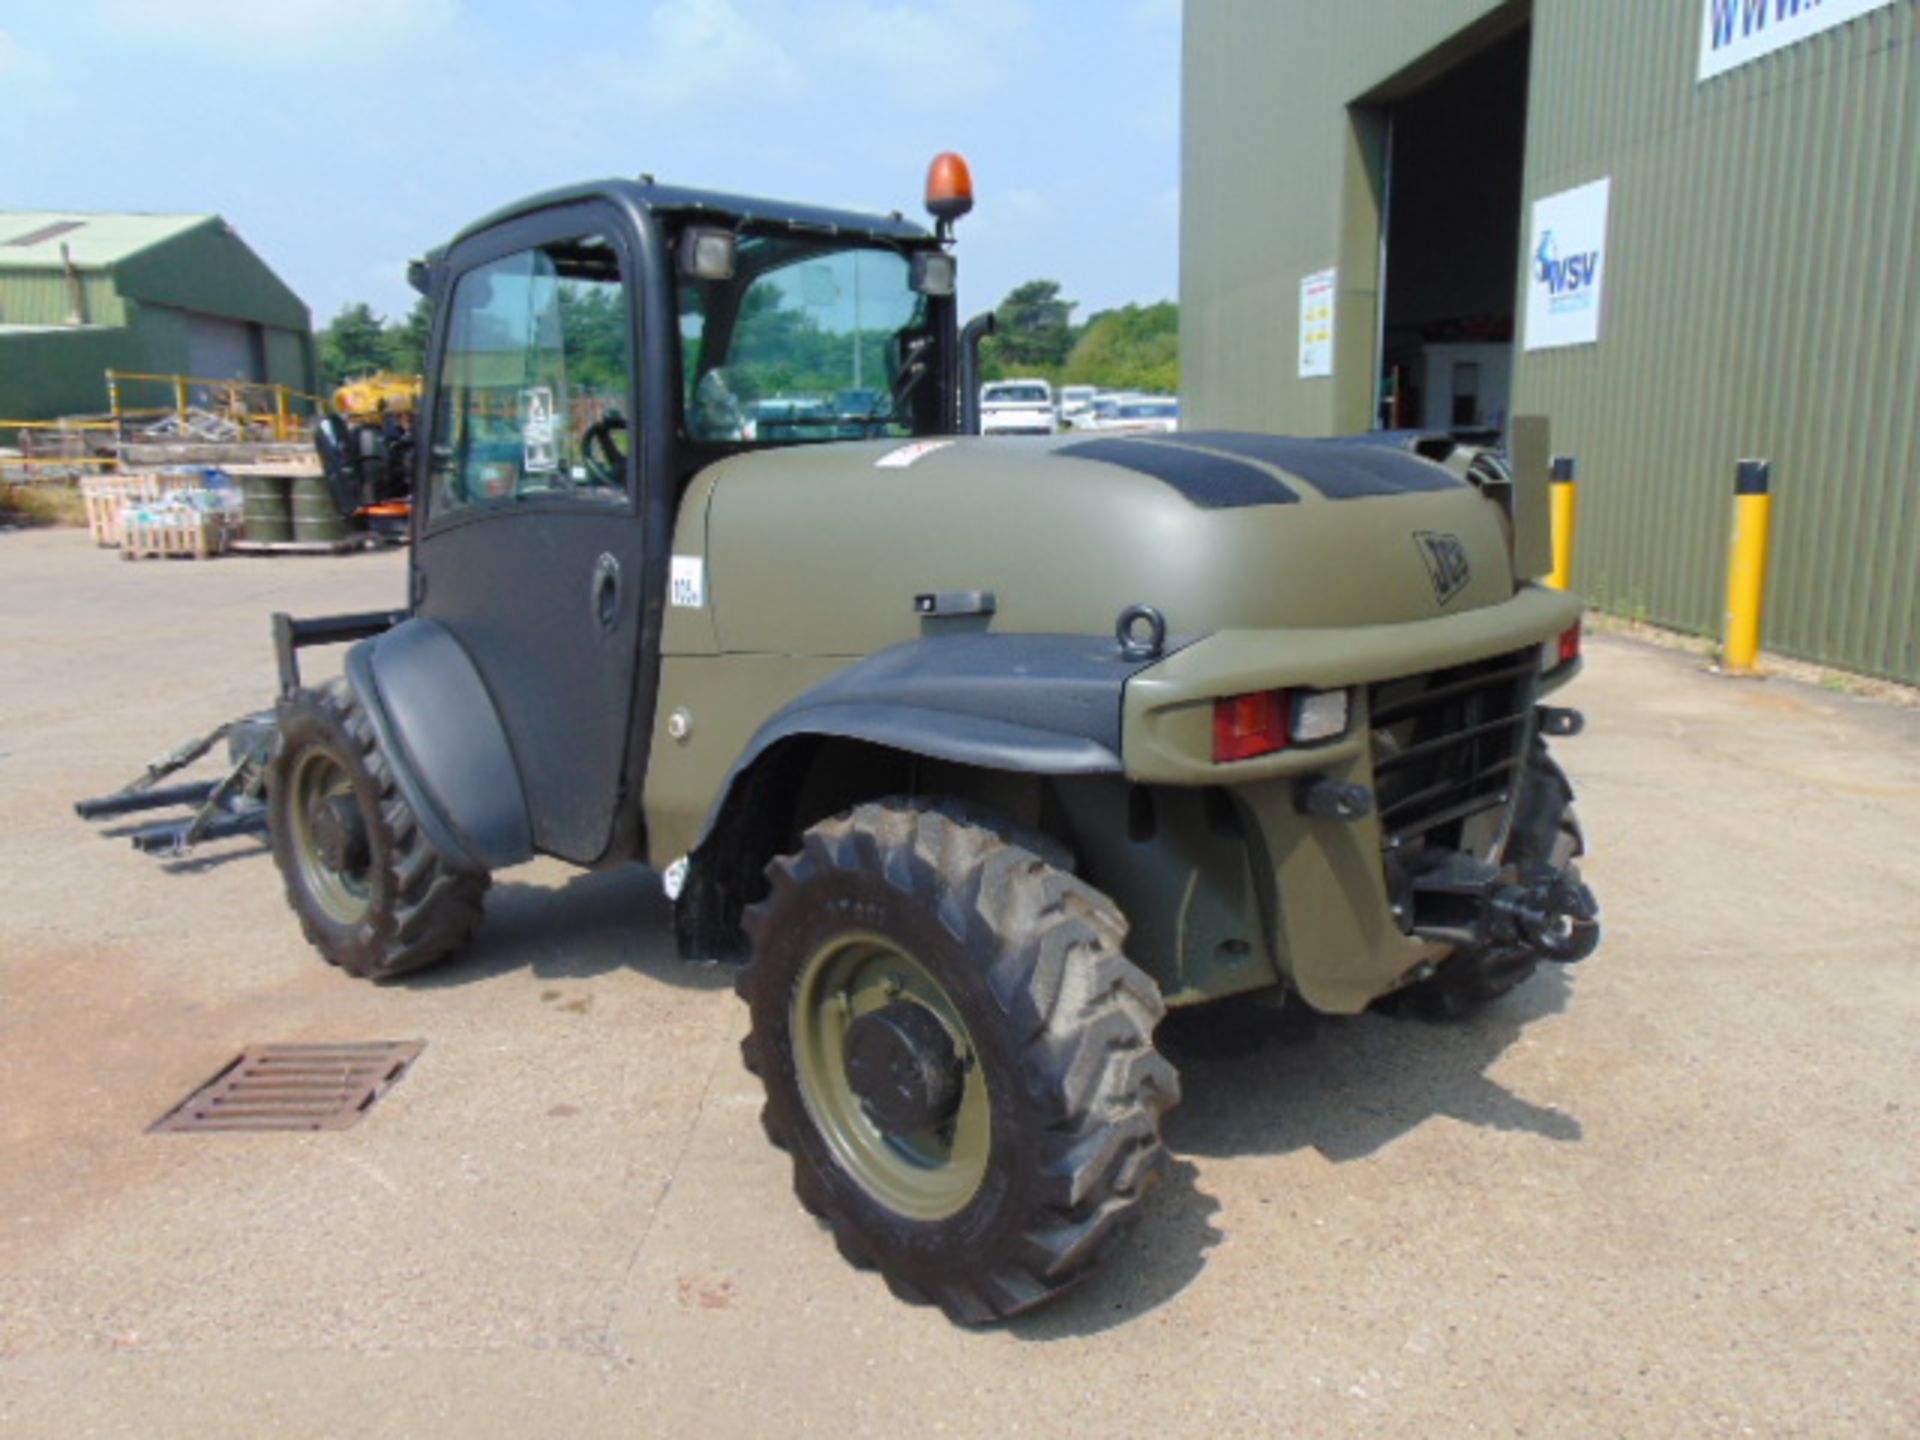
point(902, 1065)
point(340, 835)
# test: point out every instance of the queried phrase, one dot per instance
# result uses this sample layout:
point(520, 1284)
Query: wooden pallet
point(107, 497)
point(187, 535)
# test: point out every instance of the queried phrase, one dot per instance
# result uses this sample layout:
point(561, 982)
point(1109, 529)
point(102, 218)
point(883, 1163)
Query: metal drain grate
point(294, 1087)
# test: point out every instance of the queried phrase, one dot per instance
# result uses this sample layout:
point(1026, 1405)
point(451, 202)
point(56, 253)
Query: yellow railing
point(237, 407)
point(56, 462)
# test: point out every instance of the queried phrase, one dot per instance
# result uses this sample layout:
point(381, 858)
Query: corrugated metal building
point(159, 294)
point(1683, 229)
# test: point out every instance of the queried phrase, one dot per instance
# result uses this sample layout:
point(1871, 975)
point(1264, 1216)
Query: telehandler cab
point(979, 754)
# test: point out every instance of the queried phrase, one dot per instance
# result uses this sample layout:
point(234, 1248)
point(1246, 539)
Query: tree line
point(358, 342)
point(1136, 347)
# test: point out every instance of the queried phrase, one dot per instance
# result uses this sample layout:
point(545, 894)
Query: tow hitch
point(1458, 900)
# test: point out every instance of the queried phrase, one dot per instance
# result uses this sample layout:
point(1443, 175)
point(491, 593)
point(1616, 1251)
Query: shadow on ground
point(593, 924)
point(1347, 1086)
point(1260, 1083)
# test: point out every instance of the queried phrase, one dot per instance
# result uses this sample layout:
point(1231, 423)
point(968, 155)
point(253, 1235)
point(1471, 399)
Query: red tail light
point(1570, 643)
point(1245, 726)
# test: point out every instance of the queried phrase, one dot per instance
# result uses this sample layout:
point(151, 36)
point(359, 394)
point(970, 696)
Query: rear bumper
point(1335, 914)
point(1167, 716)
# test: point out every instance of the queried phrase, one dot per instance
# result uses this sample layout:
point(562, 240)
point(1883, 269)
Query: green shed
point(1682, 229)
point(152, 294)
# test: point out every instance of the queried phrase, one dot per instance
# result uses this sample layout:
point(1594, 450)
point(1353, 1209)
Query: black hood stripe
point(1339, 469)
point(1213, 482)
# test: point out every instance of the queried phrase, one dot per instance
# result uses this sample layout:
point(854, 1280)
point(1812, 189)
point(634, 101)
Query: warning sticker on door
point(687, 579)
point(536, 431)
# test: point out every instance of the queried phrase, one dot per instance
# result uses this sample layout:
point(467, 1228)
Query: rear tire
point(1044, 1130)
point(373, 895)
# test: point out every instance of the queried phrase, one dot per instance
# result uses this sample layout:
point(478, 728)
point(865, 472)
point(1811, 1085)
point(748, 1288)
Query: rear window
point(1019, 394)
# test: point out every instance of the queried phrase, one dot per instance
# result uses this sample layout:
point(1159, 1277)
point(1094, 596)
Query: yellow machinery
point(366, 445)
point(372, 396)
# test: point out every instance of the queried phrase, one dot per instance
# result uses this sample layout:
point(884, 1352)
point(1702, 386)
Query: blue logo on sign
point(1569, 278)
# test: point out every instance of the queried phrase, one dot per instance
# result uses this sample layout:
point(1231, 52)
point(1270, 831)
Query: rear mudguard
point(438, 729)
point(1019, 704)
point(1027, 704)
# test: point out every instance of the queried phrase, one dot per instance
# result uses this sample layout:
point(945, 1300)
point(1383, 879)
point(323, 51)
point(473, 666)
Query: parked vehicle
point(1018, 407)
point(1102, 409)
point(1144, 415)
point(979, 756)
point(1076, 401)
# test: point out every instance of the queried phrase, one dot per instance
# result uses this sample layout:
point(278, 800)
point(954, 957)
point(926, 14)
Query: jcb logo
point(1447, 564)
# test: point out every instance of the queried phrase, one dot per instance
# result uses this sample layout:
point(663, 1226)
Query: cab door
point(531, 546)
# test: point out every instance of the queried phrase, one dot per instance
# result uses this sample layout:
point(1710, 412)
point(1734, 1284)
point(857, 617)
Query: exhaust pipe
point(977, 329)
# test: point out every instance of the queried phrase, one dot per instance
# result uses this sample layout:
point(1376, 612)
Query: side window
point(533, 383)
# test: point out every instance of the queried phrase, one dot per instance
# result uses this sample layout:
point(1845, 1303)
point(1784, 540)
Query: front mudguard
point(437, 727)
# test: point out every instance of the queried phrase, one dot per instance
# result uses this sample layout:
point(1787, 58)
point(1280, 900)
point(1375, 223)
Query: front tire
point(373, 895)
point(956, 1054)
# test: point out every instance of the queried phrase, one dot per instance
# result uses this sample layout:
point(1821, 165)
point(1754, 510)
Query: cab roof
point(648, 194)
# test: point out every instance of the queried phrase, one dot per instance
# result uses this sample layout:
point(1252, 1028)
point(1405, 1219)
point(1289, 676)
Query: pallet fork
point(234, 803)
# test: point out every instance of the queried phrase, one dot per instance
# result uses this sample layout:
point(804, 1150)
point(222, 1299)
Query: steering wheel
point(606, 462)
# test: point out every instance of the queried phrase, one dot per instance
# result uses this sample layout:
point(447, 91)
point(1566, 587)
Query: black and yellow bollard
point(1747, 566)
point(1564, 497)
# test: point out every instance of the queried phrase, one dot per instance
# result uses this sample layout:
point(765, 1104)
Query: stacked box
point(195, 523)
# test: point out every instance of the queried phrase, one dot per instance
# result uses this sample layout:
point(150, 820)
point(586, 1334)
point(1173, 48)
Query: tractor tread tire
point(1077, 1019)
point(422, 909)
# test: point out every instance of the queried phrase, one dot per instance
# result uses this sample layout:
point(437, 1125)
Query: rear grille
point(1450, 743)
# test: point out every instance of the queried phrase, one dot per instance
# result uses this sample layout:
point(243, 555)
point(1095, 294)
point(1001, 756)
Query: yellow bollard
point(1747, 565)
point(1564, 495)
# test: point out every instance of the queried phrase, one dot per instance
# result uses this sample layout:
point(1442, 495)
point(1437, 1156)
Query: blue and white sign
point(1567, 267)
point(1732, 32)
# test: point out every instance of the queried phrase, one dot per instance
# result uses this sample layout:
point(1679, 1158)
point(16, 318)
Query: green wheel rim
point(928, 1175)
point(345, 894)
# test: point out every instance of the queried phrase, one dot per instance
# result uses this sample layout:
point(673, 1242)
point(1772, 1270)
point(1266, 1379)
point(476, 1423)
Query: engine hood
point(821, 550)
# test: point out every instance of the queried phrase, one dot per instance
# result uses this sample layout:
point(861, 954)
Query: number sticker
point(688, 582)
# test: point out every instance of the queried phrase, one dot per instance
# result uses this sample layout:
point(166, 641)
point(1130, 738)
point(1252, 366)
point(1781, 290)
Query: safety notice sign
point(1316, 325)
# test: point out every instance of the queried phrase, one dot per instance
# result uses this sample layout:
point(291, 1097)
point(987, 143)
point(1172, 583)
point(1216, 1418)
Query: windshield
point(807, 341)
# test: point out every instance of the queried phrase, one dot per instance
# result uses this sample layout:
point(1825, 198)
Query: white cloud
point(284, 32)
point(959, 46)
point(697, 50)
point(12, 55)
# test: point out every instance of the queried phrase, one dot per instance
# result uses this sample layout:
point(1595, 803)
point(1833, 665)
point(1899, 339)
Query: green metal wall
point(1760, 295)
point(1760, 300)
point(45, 374)
point(45, 297)
point(211, 270)
point(1273, 188)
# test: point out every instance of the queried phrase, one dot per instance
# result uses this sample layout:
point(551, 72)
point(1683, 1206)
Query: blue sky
point(343, 137)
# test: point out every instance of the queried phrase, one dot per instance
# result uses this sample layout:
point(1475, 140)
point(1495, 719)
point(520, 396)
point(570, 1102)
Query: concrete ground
point(1670, 1193)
